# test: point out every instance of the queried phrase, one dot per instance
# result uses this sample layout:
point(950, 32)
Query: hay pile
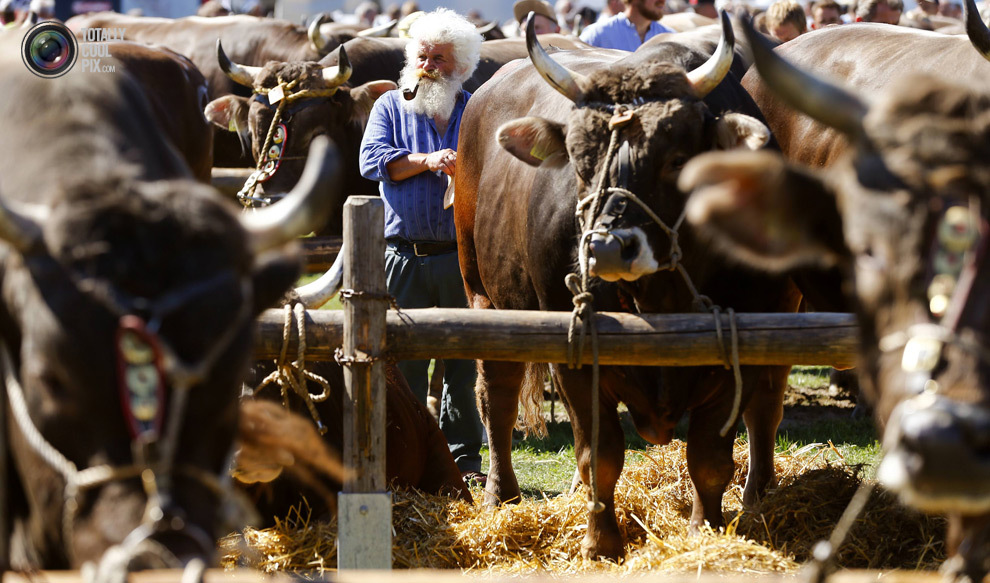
point(653, 501)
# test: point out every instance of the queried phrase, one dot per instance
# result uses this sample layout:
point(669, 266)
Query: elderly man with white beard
point(410, 147)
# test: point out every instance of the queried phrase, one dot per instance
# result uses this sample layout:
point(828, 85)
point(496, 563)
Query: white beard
point(434, 98)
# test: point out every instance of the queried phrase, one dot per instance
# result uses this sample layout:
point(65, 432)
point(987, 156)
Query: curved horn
point(339, 74)
point(316, 293)
point(483, 30)
point(21, 224)
point(822, 101)
point(305, 208)
point(240, 74)
point(315, 36)
point(567, 82)
point(380, 31)
point(707, 76)
point(976, 29)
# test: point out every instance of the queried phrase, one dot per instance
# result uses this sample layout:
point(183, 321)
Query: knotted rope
point(583, 299)
point(292, 375)
point(246, 194)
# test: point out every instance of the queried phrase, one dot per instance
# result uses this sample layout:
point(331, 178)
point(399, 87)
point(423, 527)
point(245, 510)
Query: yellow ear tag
point(538, 153)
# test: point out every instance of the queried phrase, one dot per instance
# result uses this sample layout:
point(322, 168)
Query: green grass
point(545, 466)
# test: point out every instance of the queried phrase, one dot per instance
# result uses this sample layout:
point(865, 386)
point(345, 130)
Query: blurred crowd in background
point(782, 20)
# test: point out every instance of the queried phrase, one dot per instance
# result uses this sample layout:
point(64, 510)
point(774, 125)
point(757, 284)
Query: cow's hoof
point(600, 549)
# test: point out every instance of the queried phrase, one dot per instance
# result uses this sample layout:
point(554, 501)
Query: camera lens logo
point(49, 49)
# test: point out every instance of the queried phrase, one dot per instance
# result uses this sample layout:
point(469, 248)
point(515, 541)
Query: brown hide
point(516, 234)
point(248, 40)
point(417, 455)
point(177, 92)
point(867, 58)
point(879, 213)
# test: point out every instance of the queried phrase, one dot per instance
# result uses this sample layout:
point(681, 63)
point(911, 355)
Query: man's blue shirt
point(414, 206)
point(618, 32)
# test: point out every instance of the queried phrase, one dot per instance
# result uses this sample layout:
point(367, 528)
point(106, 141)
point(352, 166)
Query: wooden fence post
point(364, 513)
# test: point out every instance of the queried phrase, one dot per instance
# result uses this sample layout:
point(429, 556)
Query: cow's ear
point(533, 140)
point(364, 96)
point(759, 210)
point(735, 130)
point(229, 112)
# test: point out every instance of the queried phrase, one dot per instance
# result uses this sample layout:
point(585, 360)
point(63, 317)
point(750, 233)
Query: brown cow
point(417, 455)
point(248, 39)
point(177, 92)
point(339, 108)
point(518, 238)
point(903, 214)
point(128, 297)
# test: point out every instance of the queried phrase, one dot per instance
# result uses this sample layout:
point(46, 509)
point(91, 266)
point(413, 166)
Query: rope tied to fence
point(700, 303)
point(292, 375)
point(584, 311)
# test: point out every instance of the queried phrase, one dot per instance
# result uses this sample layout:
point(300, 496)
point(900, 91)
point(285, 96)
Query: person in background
point(583, 18)
point(786, 20)
point(410, 147)
point(250, 7)
point(950, 9)
point(824, 13)
point(408, 7)
point(366, 12)
point(885, 11)
point(636, 24)
point(705, 8)
point(612, 7)
point(564, 9)
point(13, 12)
point(545, 18)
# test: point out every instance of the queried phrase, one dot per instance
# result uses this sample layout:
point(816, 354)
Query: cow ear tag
point(140, 377)
point(275, 94)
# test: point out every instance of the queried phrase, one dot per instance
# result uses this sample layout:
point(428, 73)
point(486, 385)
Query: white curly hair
point(444, 26)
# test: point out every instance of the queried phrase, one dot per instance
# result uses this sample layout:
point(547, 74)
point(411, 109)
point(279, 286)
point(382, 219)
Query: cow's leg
point(603, 538)
point(709, 455)
point(497, 389)
point(968, 540)
point(762, 416)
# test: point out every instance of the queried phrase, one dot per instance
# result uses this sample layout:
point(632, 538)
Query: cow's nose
point(612, 252)
point(940, 450)
point(937, 427)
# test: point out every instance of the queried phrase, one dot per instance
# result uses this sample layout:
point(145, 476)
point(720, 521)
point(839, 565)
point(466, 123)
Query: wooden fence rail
point(454, 576)
point(628, 339)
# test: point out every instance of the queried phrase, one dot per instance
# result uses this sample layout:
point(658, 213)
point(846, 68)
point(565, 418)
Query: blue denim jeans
point(435, 281)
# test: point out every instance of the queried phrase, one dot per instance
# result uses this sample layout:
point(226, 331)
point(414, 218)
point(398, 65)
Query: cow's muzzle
point(938, 455)
point(617, 250)
point(614, 252)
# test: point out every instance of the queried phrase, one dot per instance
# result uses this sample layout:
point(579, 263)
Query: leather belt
point(423, 248)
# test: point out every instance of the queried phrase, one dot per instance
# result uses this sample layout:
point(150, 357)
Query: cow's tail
point(531, 400)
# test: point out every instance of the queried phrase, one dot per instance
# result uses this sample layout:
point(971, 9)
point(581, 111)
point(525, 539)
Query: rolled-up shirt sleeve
point(378, 146)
